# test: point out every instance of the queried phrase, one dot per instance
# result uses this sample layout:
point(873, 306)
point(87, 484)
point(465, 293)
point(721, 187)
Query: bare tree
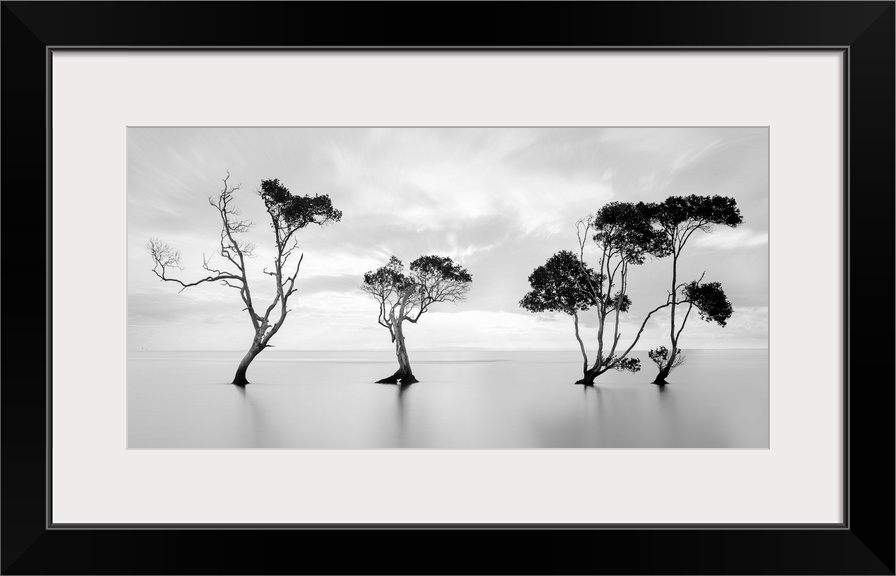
point(406, 297)
point(288, 215)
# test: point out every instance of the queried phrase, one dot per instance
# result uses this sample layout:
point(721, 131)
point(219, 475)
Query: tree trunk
point(666, 368)
point(404, 374)
point(239, 378)
point(589, 376)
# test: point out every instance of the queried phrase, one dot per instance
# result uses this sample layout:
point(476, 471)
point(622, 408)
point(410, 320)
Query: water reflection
point(513, 401)
point(254, 418)
point(402, 418)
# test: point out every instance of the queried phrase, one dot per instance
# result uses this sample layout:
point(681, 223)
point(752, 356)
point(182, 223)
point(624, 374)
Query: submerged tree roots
point(400, 377)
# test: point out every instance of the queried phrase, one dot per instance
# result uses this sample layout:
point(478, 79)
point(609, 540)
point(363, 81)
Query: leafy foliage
point(406, 296)
point(296, 212)
point(660, 356)
point(679, 216)
point(428, 270)
point(627, 364)
point(560, 285)
point(564, 284)
point(624, 229)
point(387, 278)
point(708, 209)
point(619, 300)
point(710, 300)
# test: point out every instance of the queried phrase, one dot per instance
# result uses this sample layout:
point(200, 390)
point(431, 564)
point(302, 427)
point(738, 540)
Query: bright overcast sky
point(500, 201)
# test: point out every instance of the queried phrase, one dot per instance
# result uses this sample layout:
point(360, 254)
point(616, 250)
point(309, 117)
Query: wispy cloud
point(724, 238)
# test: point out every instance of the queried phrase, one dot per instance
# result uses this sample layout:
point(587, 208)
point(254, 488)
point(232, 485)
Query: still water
point(464, 400)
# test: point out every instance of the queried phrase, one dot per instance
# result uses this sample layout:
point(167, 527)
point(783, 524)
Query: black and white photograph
point(448, 288)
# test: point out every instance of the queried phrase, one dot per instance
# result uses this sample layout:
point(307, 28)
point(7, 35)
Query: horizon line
point(445, 348)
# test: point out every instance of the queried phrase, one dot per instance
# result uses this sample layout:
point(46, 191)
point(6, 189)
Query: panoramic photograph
point(448, 288)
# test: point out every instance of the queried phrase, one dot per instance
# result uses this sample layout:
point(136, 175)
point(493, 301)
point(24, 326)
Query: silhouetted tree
point(288, 214)
point(677, 218)
point(405, 297)
point(561, 285)
point(712, 306)
point(624, 237)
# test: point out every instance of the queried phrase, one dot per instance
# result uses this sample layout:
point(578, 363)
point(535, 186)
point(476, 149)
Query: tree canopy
point(560, 285)
point(624, 230)
point(438, 279)
point(291, 213)
point(710, 300)
point(678, 217)
point(431, 279)
point(564, 284)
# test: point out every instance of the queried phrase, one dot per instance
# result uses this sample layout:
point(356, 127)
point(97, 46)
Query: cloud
point(723, 238)
point(500, 201)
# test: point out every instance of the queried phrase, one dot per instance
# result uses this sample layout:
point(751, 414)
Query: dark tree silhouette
point(288, 215)
point(624, 237)
point(712, 306)
point(405, 297)
point(677, 218)
point(561, 285)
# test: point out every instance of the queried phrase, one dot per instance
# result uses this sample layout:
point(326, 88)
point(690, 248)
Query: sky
point(499, 201)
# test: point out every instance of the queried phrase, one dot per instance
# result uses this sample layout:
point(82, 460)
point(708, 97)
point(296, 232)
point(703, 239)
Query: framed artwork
point(548, 283)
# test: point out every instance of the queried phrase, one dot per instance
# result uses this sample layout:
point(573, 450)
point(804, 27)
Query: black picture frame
point(864, 544)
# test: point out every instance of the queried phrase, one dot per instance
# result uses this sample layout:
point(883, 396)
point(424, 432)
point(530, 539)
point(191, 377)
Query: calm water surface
point(464, 400)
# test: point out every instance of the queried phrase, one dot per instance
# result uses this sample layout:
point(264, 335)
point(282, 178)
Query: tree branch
point(640, 330)
point(164, 257)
